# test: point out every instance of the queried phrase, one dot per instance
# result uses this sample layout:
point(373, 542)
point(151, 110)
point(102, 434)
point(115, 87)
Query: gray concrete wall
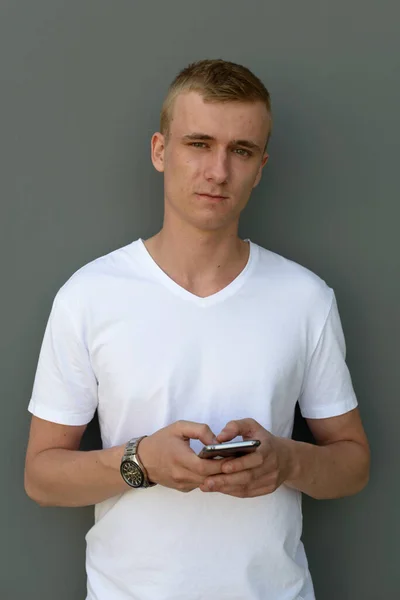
point(81, 87)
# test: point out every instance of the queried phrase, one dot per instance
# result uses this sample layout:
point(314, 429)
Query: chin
point(211, 223)
point(207, 218)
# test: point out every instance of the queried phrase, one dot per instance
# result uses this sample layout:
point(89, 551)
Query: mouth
point(212, 197)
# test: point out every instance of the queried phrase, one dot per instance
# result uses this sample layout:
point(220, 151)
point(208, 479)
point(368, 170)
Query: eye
point(198, 145)
point(242, 152)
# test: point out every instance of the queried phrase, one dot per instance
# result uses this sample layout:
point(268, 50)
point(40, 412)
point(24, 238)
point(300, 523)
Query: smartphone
point(228, 449)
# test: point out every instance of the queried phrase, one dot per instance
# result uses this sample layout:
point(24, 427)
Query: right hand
point(169, 460)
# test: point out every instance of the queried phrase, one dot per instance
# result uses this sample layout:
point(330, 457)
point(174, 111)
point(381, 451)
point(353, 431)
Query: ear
point(258, 176)
point(157, 151)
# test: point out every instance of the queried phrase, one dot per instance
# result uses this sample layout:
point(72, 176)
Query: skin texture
point(193, 165)
point(211, 160)
point(337, 467)
point(198, 246)
point(57, 473)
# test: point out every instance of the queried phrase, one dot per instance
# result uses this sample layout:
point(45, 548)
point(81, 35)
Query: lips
point(213, 196)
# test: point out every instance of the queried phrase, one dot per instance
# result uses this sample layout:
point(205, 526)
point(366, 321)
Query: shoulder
point(97, 279)
point(293, 282)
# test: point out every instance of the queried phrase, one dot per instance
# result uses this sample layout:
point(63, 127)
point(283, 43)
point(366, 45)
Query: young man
point(190, 336)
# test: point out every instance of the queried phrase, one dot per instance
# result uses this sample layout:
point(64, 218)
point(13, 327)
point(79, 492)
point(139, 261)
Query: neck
point(199, 260)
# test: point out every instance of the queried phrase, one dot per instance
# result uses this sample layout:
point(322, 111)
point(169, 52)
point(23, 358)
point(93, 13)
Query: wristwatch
point(132, 470)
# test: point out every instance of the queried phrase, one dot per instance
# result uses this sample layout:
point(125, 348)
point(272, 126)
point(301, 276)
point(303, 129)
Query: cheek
point(246, 181)
point(243, 187)
point(182, 166)
point(180, 176)
point(255, 176)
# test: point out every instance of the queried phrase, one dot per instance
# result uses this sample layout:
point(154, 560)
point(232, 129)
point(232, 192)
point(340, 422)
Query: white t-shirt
point(125, 339)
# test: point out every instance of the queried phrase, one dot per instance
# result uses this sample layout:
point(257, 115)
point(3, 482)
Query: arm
point(337, 466)
point(57, 473)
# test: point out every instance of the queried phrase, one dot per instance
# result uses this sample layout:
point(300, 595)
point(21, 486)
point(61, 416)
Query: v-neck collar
point(174, 287)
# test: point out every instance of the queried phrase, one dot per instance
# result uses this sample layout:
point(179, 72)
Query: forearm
point(60, 477)
point(331, 471)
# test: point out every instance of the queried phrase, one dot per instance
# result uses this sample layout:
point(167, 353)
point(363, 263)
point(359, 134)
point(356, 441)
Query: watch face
point(132, 473)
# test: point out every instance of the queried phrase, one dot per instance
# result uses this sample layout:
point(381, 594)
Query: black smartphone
point(228, 449)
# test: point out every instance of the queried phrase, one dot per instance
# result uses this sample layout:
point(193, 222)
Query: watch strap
point(131, 453)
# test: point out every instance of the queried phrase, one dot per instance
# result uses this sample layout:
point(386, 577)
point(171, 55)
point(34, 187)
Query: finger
point(253, 478)
point(195, 431)
point(230, 431)
point(203, 467)
point(187, 478)
point(249, 461)
point(260, 491)
point(257, 488)
point(247, 428)
point(219, 483)
point(239, 491)
point(251, 491)
point(182, 477)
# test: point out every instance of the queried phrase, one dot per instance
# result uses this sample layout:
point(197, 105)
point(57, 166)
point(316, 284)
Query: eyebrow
point(204, 137)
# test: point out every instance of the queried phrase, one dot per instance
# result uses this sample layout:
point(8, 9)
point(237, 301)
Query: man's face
point(212, 159)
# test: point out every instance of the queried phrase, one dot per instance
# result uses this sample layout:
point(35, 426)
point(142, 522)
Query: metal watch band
point(131, 454)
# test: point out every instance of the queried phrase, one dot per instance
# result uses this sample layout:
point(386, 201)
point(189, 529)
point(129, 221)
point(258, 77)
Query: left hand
point(255, 474)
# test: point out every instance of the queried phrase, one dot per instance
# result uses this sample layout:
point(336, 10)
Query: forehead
point(223, 120)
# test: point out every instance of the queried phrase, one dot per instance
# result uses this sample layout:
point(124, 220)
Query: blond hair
point(217, 81)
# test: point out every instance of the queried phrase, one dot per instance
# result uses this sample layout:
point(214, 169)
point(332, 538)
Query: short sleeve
point(328, 390)
point(65, 386)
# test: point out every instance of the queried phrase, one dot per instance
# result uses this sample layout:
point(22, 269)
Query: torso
point(161, 354)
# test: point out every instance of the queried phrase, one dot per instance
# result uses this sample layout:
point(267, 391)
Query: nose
point(217, 167)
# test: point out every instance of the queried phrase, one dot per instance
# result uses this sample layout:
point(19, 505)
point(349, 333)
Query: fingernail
point(228, 468)
point(211, 485)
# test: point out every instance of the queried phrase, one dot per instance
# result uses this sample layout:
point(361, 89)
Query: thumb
point(195, 431)
point(230, 431)
point(247, 428)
